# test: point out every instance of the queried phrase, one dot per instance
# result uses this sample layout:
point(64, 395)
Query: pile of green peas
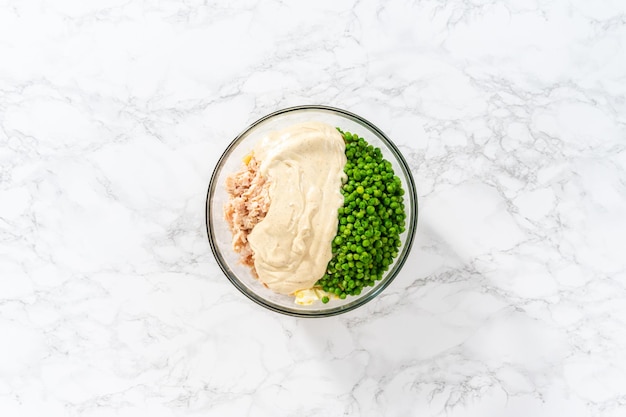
point(370, 221)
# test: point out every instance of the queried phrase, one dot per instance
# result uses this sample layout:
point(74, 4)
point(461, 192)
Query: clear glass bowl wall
point(220, 236)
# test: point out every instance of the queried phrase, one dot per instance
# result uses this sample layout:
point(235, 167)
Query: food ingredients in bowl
point(309, 178)
point(298, 171)
point(248, 204)
point(370, 221)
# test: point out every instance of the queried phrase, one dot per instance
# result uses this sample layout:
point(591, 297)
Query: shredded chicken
point(248, 204)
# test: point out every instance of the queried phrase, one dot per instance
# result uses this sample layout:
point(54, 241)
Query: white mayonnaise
point(292, 244)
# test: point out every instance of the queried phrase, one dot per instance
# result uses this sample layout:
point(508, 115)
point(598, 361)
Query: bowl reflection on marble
point(220, 236)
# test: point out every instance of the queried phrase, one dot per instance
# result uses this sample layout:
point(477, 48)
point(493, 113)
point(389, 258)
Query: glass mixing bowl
point(220, 236)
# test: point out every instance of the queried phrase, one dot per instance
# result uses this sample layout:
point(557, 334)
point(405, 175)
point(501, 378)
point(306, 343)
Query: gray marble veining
point(512, 116)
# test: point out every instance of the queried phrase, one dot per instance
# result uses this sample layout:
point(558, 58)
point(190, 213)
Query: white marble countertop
point(511, 114)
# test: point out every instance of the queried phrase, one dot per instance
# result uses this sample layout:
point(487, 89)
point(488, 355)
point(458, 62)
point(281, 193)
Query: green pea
point(369, 222)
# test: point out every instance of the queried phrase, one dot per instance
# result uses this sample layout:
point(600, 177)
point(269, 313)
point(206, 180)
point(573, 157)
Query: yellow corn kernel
point(247, 158)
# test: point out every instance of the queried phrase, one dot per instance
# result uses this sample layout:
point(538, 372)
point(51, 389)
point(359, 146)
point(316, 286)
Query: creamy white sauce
point(292, 244)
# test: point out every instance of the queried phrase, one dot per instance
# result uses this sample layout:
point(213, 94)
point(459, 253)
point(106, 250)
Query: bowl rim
point(377, 289)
